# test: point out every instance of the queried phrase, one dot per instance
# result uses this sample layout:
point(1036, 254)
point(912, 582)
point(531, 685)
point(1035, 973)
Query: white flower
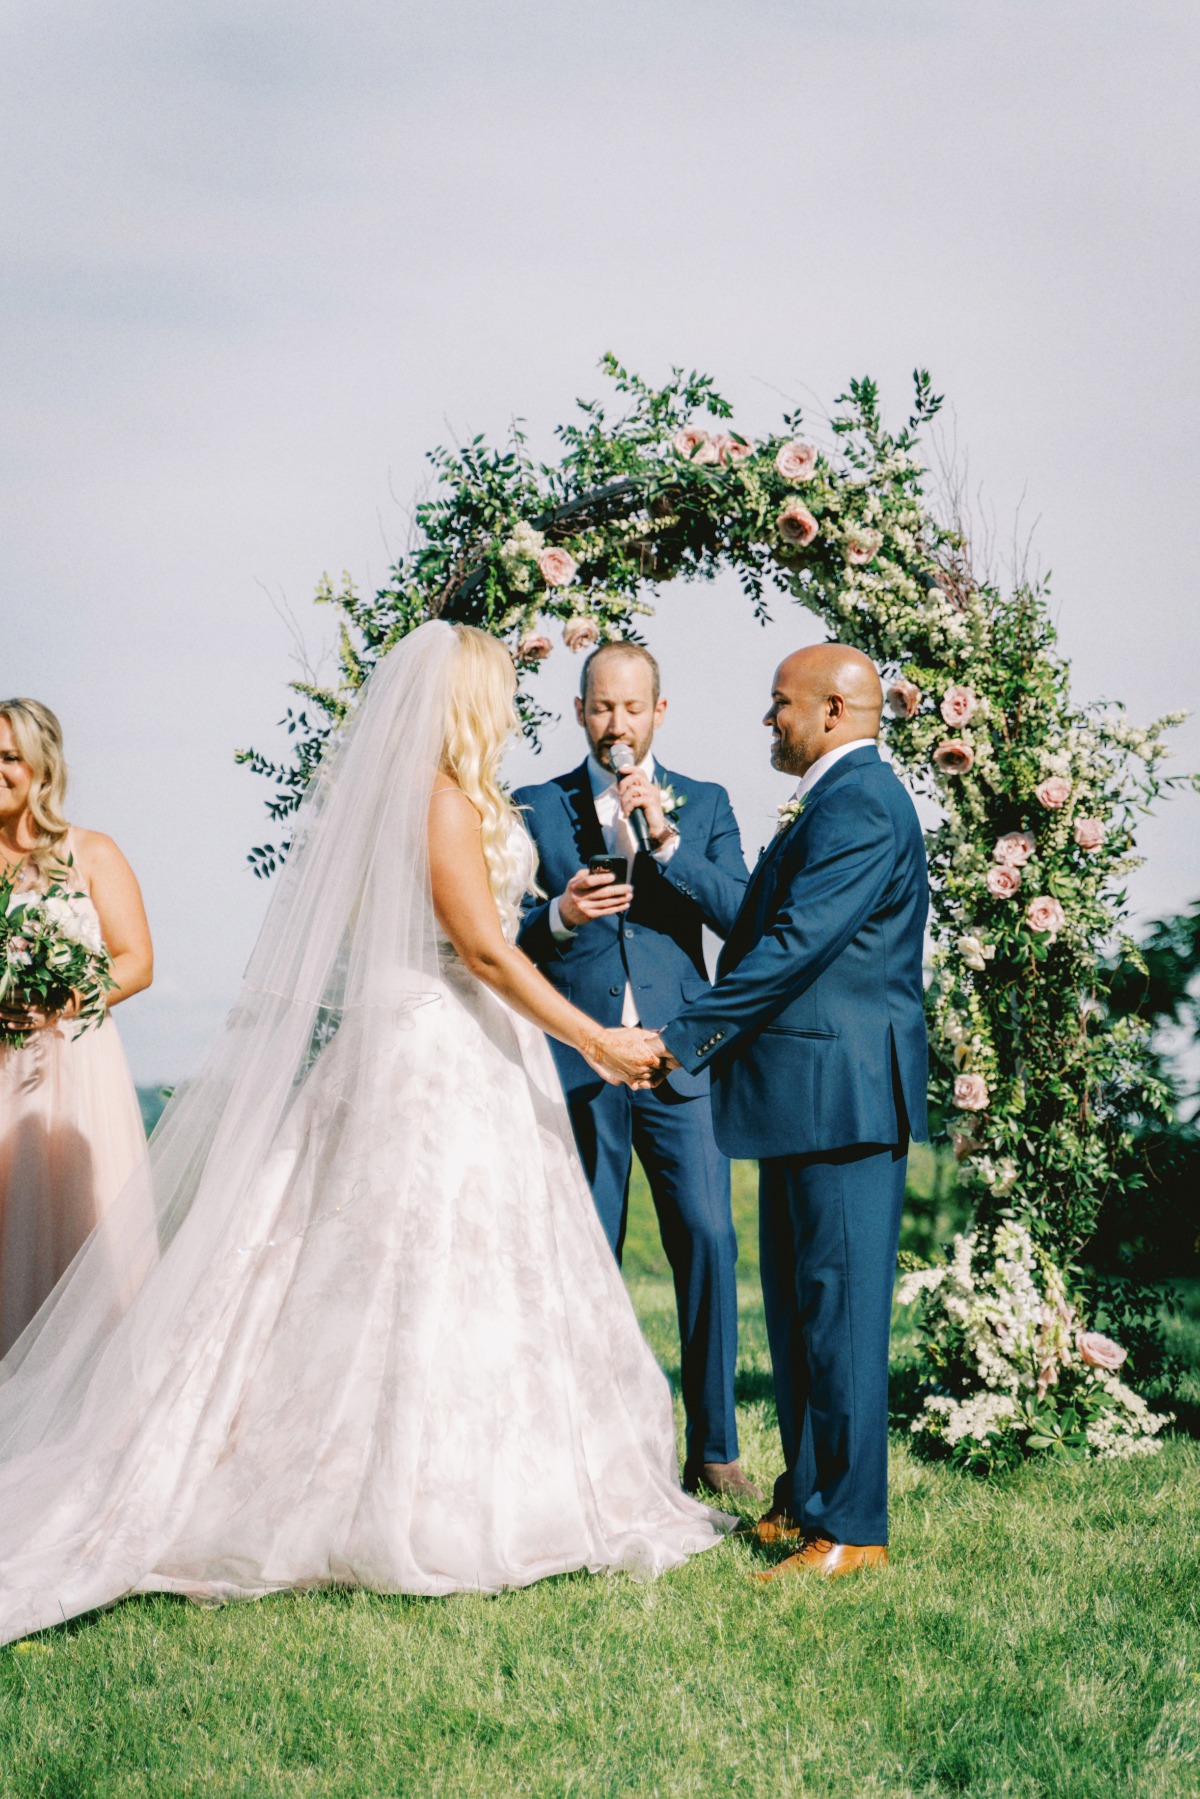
point(974, 952)
point(74, 919)
point(789, 812)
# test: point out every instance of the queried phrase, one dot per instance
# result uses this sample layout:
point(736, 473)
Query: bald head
point(822, 697)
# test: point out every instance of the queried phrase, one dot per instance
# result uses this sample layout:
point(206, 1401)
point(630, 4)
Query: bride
point(376, 1335)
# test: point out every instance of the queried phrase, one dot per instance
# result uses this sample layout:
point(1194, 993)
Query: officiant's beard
point(640, 745)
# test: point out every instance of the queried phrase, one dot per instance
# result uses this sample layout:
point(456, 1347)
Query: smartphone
point(616, 866)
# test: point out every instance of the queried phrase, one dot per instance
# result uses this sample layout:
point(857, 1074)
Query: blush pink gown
point(70, 1138)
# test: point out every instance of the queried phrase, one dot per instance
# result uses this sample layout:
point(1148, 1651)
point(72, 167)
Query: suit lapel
point(829, 780)
point(581, 810)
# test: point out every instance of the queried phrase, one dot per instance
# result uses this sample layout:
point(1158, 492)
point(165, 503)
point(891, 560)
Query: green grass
point(1035, 1636)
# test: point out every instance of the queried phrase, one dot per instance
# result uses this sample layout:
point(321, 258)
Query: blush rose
point(533, 647)
point(958, 705)
point(580, 633)
point(970, 1092)
point(862, 543)
point(1003, 880)
point(688, 440)
point(796, 461)
point(796, 525)
point(1045, 914)
point(557, 567)
point(1014, 848)
point(1089, 833)
point(1054, 792)
point(902, 699)
point(732, 449)
point(954, 757)
point(1099, 1351)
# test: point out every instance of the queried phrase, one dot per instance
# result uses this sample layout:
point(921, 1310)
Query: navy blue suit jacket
point(657, 946)
point(815, 1029)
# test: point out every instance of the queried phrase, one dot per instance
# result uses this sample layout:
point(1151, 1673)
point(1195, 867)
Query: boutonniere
point(789, 812)
point(672, 802)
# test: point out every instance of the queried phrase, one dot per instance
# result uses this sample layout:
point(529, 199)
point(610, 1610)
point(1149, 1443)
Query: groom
point(815, 1037)
point(630, 950)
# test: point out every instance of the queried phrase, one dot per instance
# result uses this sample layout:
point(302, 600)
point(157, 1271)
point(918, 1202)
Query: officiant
point(625, 943)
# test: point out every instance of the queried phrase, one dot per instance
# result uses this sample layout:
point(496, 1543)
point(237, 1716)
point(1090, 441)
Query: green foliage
point(51, 952)
point(1151, 1224)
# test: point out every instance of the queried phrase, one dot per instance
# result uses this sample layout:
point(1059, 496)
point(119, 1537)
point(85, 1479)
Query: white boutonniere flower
point(672, 802)
point(789, 812)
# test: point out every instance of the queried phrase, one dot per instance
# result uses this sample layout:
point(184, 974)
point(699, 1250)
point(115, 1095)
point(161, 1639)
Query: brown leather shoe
point(725, 1479)
point(776, 1527)
point(823, 1556)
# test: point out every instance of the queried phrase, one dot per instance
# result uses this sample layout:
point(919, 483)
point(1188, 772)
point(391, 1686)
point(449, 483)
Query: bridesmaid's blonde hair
point(481, 716)
point(38, 737)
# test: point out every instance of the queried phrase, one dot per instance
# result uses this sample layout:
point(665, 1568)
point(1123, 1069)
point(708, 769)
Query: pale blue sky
point(255, 264)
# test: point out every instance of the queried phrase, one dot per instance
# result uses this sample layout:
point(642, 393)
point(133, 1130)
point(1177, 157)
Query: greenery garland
point(1041, 1086)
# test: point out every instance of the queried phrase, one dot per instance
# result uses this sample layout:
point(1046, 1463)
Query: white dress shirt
point(619, 840)
point(824, 763)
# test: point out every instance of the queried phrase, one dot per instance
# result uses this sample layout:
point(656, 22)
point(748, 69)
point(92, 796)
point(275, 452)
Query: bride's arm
point(466, 912)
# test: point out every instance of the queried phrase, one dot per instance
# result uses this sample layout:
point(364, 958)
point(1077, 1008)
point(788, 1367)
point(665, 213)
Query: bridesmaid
point(70, 1126)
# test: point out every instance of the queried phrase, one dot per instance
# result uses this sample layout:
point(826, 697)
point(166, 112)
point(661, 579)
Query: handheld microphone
point(621, 757)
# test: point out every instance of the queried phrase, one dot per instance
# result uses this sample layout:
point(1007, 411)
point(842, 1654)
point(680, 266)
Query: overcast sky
point(256, 261)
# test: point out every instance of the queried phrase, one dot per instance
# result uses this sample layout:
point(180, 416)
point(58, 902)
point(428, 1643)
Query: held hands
point(631, 1056)
point(587, 895)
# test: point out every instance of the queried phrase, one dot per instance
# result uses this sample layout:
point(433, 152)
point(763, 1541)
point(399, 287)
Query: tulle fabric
point(376, 1336)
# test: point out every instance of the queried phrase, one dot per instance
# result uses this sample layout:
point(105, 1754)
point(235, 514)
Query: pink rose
point(557, 567)
point(1015, 848)
point(902, 699)
point(731, 449)
point(20, 945)
point(1045, 914)
point(580, 633)
point(954, 757)
point(964, 1145)
point(687, 441)
point(796, 461)
point(1098, 1351)
point(862, 544)
point(1003, 881)
point(533, 647)
point(796, 525)
point(1089, 833)
point(1054, 792)
point(958, 705)
point(970, 1092)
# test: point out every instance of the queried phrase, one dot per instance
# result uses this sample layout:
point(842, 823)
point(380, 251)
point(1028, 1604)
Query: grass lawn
point(1040, 1635)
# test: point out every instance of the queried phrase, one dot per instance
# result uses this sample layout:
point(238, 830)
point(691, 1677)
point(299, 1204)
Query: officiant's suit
point(814, 1035)
point(644, 964)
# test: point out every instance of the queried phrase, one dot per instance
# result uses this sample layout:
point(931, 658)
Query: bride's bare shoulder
point(465, 812)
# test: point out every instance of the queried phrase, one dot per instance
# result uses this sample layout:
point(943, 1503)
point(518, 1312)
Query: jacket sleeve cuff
point(691, 1053)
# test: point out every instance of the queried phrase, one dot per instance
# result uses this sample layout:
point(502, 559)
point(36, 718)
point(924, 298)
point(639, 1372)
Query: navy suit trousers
point(830, 1228)
point(689, 1183)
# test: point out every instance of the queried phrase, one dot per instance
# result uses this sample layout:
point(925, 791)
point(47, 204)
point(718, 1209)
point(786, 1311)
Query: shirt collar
point(824, 763)
point(603, 778)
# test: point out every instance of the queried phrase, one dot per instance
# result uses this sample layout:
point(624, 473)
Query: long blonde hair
point(480, 719)
point(38, 737)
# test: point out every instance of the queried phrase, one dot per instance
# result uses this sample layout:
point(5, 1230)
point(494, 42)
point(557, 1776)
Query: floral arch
point(1037, 1084)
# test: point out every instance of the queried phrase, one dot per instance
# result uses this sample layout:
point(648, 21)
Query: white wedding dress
point(381, 1339)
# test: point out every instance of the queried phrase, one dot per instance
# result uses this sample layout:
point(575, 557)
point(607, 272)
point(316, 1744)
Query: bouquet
point(1017, 1371)
point(51, 954)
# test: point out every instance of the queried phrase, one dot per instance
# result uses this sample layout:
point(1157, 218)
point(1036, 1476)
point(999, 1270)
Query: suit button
point(614, 991)
point(628, 932)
